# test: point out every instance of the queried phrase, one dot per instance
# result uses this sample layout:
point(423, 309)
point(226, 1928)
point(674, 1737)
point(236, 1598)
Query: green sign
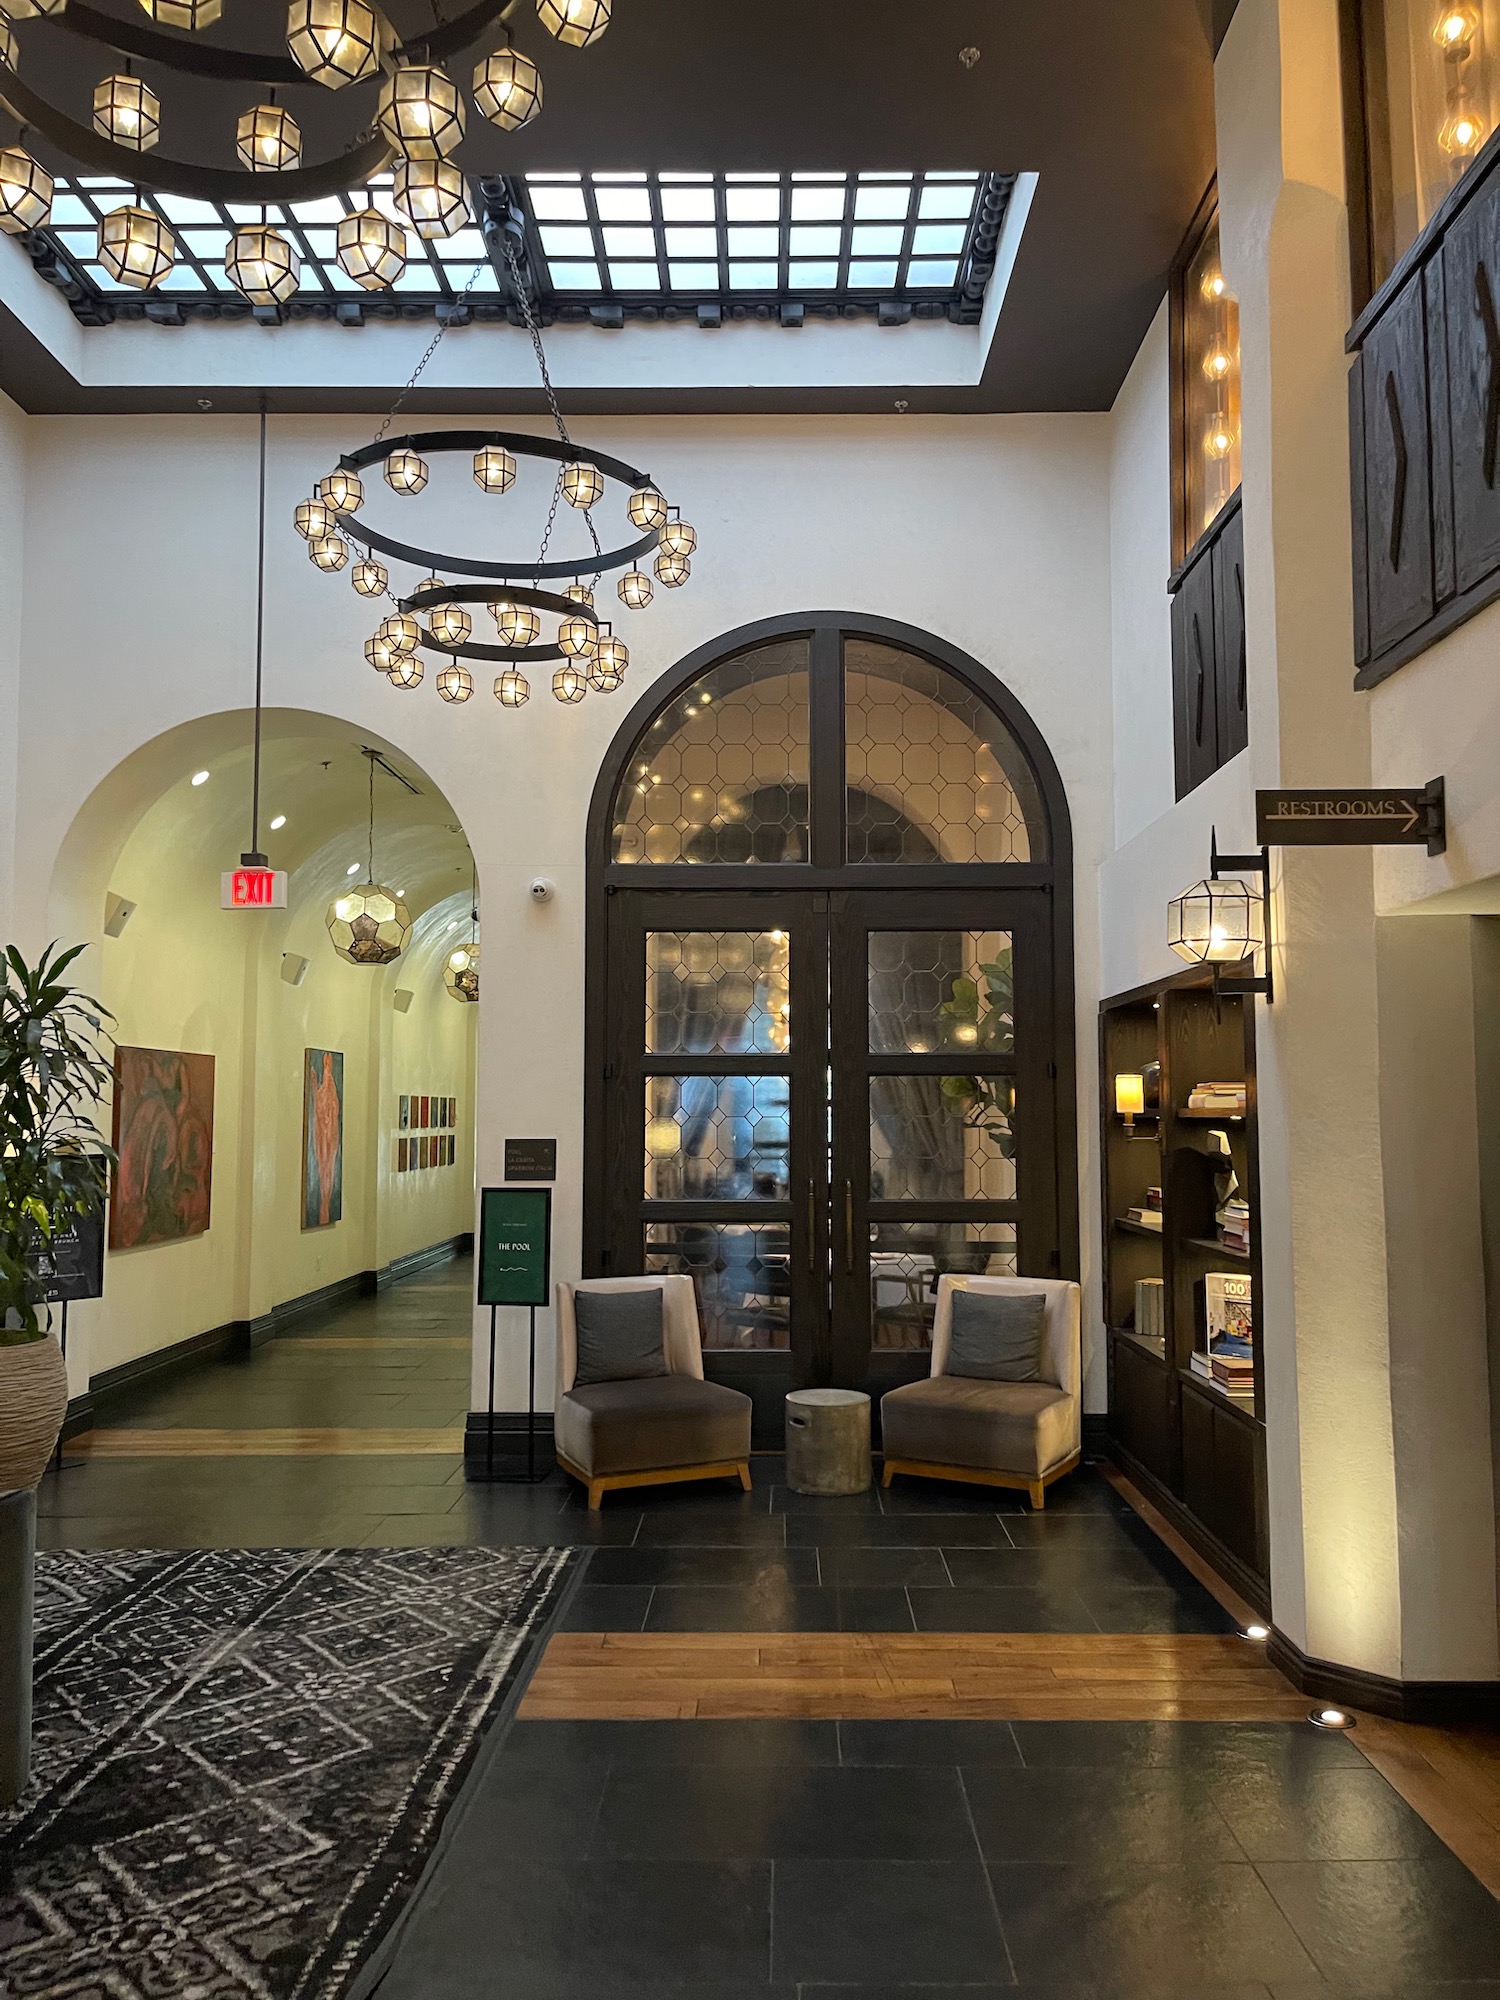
point(515, 1246)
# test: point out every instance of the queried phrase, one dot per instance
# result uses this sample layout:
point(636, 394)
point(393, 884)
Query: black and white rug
point(243, 1758)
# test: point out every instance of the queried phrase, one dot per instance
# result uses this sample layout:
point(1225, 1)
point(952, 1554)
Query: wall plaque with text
point(1386, 816)
point(531, 1159)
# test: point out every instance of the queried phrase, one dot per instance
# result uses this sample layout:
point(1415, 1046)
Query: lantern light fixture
point(371, 249)
point(268, 140)
point(611, 655)
point(580, 593)
point(678, 539)
point(190, 15)
point(605, 672)
point(407, 672)
point(512, 689)
point(334, 42)
point(582, 484)
point(313, 518)
point(421, 111)
point(455, 683)
point(508, 89)
point(576, 637)
point(1455, 29)
point(433, 196)
point(517, 624)
point(450, 624)
point(136, 247)
point(262, 265)
point(1223, 921)
point(647, 509)
point(343, 491)
point(570, 683)
point(370, 578)
point(328, 552)
point(405, 472)
point(25, 192)
point(380, 653)
point(494, 469)
point(576, 22)
point(672, 572)
point(635, 590)
point(1463, 130)
point(127, 111)
point(1218, 441)
point(402, 631)
point(461, 972)
point(370, 924)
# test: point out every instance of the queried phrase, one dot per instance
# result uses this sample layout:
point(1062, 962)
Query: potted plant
point(54, 1167)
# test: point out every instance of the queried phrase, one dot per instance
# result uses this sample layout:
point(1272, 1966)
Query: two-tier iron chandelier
point(417, 121)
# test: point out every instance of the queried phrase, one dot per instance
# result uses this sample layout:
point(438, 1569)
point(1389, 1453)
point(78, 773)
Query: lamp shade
point(455, 682)
point(421, 111)
point(512, 689)
point(268, 140)
point(370, 577)
point(127, 111)
point(371, 249)
point(578, 22)
point(136, 247)
point(335, 42)
point(262, 265)
point(1130, 1095)
point(508, 89)
point(494, 469)
point(461, 973)
point(369, 924)
point(25, 192)
point(1215, 923)
point(433, 196)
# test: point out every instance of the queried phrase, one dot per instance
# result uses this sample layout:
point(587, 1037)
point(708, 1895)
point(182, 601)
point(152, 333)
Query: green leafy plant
point(983, 1020)
point(54, 1167)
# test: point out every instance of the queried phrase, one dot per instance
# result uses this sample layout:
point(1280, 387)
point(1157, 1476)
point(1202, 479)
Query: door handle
point(849, 1227)
point(812, 1228)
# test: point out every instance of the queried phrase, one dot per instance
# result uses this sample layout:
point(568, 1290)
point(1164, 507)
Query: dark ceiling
point(1109, 101)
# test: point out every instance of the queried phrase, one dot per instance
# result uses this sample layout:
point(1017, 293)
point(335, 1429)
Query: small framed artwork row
point(426, 1127)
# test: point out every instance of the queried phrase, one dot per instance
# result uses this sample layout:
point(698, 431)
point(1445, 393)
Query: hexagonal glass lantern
point(421, 111)
point(508, 89)
point(635, 589)
point(188, 14)
point(136, 247)
point(127, 111)
point(578, 22)
point(343, 491)
point(461, 972)
point(371, 249)
point(268, 140)
point(512, 689)
point(455, 682)
point(672, 572)
point(570, 683)
point(1215, 923)
point(647, 509)
point(433, 196)
point(370, 577)
point(407, 672)
point(369, 924)
point(262, 265)
point(328, 552)
point(582, 484)
point(494, 469)
point(405, 472)
point(335, 42)
point(25, 192)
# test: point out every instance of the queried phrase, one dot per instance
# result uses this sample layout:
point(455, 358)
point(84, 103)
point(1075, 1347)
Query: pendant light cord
point(371, 876)
point(255, 859)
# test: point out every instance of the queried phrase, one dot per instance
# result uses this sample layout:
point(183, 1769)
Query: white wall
point(992, 534)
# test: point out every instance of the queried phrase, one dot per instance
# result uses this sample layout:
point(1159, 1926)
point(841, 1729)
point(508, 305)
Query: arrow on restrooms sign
point(1395, 816)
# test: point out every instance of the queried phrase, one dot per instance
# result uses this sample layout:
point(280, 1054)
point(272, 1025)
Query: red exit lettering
point(253, 889)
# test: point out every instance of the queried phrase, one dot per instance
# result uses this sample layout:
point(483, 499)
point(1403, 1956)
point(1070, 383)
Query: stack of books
point(1230, 1365)
point(1150, 1311)
point(1228, 1099)
point(1234, 1225)
point(1149, 1213)
point(1227, 1358)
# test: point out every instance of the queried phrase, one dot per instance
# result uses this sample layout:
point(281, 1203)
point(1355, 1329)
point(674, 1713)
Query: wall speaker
point(117, 913)
point(293, 969)
point(403, 1000)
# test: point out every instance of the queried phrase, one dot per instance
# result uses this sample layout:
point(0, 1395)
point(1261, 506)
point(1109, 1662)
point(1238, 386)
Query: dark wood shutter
point(1194, 690)
point(1397, 525)
point(1471, 299)
point(1232, 713)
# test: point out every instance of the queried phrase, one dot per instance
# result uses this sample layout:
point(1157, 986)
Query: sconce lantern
point(1223, 921)
point(1130, 1100)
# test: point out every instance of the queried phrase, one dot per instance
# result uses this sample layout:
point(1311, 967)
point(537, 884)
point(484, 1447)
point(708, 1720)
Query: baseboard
point(1237, 1573)
point(240, 1335)
point(510, 1440)
point(1442, 1703)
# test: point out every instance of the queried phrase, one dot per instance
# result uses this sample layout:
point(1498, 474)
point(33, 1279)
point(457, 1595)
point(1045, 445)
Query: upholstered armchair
point(997, 1433)
point(651, 1430)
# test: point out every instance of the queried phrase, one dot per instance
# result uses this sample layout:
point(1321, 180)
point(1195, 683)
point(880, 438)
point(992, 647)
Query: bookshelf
point(1194, 1447)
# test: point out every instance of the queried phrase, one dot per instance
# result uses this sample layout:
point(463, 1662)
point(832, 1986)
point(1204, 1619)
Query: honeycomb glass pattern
point(908, 1258)
point(717, 1138)
point(741, 1273)
point(720, 775)
point(931, 772)
point(942, 1138)
point(717, 993)
point(937, 990)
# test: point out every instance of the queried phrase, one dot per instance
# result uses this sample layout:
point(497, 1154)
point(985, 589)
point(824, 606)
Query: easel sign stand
point(515, 1267)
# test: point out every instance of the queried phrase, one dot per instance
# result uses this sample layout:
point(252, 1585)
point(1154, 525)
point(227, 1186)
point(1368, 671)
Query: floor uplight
point(1331, 1718)
point(1257, 1631)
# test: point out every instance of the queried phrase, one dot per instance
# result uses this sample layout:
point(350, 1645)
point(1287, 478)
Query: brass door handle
point(849, 1227)
point(812, 1228)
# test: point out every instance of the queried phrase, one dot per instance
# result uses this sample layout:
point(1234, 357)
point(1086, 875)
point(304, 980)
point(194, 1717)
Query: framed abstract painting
point(322, 1138)
point(163, 1132)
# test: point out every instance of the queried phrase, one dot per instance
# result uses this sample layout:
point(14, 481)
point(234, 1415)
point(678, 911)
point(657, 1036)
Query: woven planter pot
point(33, 1403)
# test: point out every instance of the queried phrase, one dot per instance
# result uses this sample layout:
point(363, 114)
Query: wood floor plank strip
point(125, 1443)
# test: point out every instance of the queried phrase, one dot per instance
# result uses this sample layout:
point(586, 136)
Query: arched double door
point(830, 1011)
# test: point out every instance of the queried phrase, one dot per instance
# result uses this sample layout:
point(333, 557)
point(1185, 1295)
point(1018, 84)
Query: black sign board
point(1395, 816)
point(72, 1264)
point(531, 1159)
point(515, 1246)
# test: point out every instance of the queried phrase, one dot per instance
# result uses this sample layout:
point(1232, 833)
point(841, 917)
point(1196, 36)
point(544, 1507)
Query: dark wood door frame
point(1050, 879)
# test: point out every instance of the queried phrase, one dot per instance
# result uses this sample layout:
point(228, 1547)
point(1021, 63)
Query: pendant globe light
point(371, 249)
point(136, 247)
point(421, 112)
point(335, 42)
point(508, 89)
point(577, 22)
point(128, 112)
point(370, 578)
point(190, 15)
point(433, 196)
point(25, 193)
point(461, 969)
point(262, 265)
point(268, 140)
point(369, 924)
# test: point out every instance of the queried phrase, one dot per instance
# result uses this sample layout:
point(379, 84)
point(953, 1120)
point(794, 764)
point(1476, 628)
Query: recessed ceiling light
point(278, 823)
point(352, 869)
point(200, 777)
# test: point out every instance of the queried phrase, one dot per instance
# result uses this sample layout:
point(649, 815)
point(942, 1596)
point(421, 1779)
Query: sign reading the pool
point(252, 889)
point(515, 1246)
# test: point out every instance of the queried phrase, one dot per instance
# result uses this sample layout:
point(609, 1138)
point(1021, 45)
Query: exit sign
point(253, 889)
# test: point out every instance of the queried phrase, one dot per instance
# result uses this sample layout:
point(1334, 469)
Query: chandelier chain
point(523, 299)
point(371, 875)
point(431, 348)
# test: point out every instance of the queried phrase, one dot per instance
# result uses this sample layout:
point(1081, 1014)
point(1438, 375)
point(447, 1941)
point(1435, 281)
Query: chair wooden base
point(665, 1475)
point(979, 1475)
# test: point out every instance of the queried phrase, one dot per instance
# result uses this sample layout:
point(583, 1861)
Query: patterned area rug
point(243, 1758)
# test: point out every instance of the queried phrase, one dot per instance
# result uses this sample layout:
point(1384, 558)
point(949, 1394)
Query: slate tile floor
point(820, 1861)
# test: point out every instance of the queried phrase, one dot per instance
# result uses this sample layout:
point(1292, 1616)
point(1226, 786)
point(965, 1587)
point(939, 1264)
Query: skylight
point(599, 246)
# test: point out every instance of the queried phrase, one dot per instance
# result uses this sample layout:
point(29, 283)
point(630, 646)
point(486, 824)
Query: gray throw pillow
point(619, 1336)
point(997, 1336)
